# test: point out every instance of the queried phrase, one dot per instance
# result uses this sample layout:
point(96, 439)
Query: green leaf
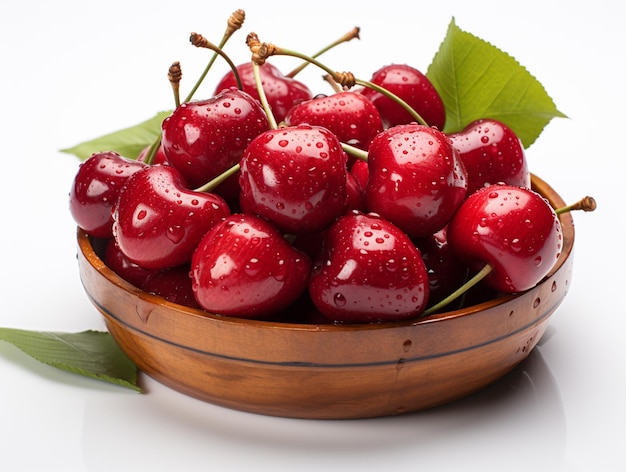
point(89, 353)
point(477, 80)
point(128, 141)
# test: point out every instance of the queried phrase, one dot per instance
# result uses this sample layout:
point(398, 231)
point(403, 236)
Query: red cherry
point(414, 88)
point(349, 115)
point(416, 178)
point(282, 92)
point(512, 229)
point(202, 139)
point(117, 261)
point(172, 284)
point(492, 153)
point(355, 199)
point(158, 221)
point(445, 272)
point(360, 171)
point(370, 271)
point(294, 177)
point(244, 267)
point(95, 190)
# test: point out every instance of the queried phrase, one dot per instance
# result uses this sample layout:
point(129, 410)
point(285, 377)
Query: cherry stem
point(201, 42)
point(480, 275)
point(333, 84)
point(262, 96)
point(355, 152)
point(234, 23)
point(585, 204)
point(261, 51)
point(215, 182)
point(350, 35)
point(175, 74)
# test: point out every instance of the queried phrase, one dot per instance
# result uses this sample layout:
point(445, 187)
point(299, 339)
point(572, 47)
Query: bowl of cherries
point(322, 256)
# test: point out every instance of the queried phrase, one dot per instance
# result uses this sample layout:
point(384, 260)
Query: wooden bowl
point(326, 371)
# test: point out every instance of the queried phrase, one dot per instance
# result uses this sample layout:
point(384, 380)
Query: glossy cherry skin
point(369, 271)
point(355, 199)
point(204, 138)
point(513, 229)
point(360, 171)
point(117, 261)
point(294, 177)
point(351, 116)
point(172, 284)
point(95, 189)
point(416, 179)
point(158, 221)
point(492, 153)
point(282, 92)
point(414, 88)
point(244, 267)
point(445, 272)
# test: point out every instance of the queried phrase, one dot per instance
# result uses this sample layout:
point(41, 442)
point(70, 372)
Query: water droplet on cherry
point(339, 299)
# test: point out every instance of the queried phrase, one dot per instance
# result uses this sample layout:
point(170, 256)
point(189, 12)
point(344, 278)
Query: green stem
point(262, 97)
point(585, 204)
point(486, 270)
point(235, 21)
point(154, 147)
point(204, 43)
point(355, 152)
point(214, 183)
point(352, 34)
point(364, 83)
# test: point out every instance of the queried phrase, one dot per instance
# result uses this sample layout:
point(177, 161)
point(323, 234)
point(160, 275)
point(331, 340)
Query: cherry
point(95, 190)
point(511, 229)
point(282, 92)
point(355, 199)
point(204, 138)
point(416, 179)
point(492, 153)
point(244, 267)
point(117, 261)
point(360, 172)
point(294, 177)
point(369, 271)
point(445, 271)
point(349, 115)
point(414, 88)
point(158, 221)
point(173, 284)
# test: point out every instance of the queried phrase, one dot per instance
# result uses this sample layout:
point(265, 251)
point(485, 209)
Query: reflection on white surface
point(164, 430)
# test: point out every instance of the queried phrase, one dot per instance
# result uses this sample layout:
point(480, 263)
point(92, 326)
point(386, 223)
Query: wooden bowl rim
point(539, 185)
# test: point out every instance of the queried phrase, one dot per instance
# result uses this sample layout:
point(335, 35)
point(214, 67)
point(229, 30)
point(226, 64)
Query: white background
point(71, 71)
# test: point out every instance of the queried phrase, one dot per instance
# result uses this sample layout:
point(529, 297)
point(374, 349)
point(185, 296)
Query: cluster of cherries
point(265, 201)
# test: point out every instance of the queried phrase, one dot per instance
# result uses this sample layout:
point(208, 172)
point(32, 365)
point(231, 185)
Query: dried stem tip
point(175, 74)
point(345, 79)
point(235, 21)
point(585, 204)
point(199, 41)
point(350, 35)
point(260, 51)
